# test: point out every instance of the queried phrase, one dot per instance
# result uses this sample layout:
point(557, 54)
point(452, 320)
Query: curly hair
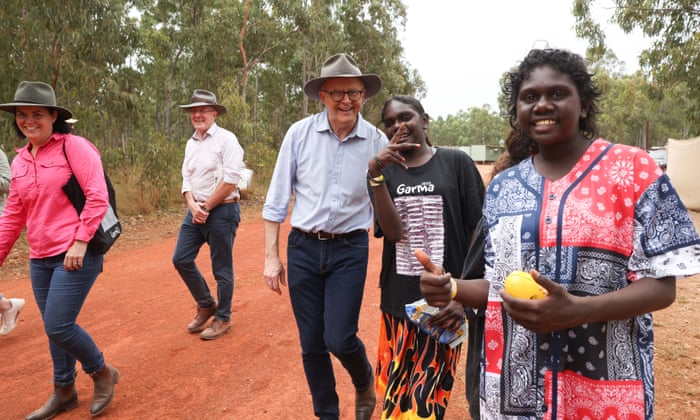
point(519, 146)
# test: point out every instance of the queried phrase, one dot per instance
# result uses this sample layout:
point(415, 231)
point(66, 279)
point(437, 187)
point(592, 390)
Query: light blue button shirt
point(327, 176)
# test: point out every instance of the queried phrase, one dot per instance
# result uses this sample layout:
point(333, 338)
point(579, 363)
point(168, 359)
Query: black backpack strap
point(110, 188)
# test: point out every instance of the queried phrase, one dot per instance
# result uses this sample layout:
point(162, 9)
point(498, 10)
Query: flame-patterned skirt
point(415, 373)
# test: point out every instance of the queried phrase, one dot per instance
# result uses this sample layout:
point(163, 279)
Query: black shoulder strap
point(110, 189)
point(66, 155)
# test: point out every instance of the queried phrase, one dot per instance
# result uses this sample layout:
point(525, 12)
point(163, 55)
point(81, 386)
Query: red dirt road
point(138, 310)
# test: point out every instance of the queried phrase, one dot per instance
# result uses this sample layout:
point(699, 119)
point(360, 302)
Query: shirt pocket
point(23, 181)
point(51, 177)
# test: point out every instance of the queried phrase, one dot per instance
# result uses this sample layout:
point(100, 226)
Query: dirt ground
point(138, 310)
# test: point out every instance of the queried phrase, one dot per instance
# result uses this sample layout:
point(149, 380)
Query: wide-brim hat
point(202, 97)
point(30, 93)
point(342, 65)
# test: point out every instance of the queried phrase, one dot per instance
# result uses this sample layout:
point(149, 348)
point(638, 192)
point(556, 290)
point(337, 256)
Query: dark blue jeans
point(326, 284)
point(60, 295)
point(218, 232)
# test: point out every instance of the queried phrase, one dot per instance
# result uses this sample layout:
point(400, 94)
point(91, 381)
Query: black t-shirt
point(440, 204)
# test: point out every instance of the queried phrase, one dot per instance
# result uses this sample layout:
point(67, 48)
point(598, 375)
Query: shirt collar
point(210, 132)
point(360, 130)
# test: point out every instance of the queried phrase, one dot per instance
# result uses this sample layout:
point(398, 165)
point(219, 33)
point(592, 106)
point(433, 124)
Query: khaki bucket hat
point(342, 65)
point(30, 93)
point(202, 97)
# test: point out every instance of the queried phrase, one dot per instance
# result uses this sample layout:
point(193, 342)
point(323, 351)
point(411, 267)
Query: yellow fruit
point(520, 284)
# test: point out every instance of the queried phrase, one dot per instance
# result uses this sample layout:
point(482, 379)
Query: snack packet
point(419, 312)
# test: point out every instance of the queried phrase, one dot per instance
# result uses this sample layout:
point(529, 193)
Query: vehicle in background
point(660, 155)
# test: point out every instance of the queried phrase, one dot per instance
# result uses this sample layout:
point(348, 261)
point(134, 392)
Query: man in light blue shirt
point(323, 161)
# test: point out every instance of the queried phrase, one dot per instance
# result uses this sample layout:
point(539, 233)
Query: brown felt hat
point(202, 97)
point(36, 94)
point(342, 65)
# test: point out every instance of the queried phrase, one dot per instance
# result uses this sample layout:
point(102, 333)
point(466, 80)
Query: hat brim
point(63, 113)
point(220, 109)
point(372, 84)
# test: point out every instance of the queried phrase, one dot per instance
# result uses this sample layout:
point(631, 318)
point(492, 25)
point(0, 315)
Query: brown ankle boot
point(64, 398)
point(104, 379)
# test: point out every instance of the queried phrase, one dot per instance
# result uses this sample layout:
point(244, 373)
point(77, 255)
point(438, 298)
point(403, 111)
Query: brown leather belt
point(325, 236)
point(228, 201)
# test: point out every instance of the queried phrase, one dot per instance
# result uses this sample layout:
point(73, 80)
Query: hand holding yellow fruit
point(520, 284)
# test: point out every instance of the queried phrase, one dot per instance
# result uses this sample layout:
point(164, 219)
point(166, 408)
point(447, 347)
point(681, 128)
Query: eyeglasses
point(338, 95)
point(201, 110)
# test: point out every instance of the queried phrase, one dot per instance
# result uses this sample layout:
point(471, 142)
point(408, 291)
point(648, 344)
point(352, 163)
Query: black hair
point(413, 103)
point(59, 126)
point(408, 100)
point(565, 62)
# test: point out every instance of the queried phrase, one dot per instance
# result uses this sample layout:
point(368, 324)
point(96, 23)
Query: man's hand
point(200, 213)
point(274, 274)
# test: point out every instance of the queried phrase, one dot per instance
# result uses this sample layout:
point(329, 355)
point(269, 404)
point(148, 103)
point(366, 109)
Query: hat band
point(27, 101)
point(206, 101)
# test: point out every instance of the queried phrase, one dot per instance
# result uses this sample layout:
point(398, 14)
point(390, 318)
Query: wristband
point(375, 182)
point(453, 293)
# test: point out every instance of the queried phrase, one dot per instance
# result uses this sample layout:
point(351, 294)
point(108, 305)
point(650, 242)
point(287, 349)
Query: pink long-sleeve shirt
point(37, 201)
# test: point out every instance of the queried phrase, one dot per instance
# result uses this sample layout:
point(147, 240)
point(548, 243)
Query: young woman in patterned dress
point(600, 226)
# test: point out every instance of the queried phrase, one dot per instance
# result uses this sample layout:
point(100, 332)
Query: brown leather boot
point(104, 379)
point(64, 398)
point(365, 402)
point(201, 318)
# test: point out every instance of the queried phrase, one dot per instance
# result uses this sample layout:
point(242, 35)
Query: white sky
point(462, 47)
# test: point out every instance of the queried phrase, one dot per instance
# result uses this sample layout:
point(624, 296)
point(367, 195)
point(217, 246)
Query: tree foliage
point(124, 66)
point(673, 60)
point(478, 125)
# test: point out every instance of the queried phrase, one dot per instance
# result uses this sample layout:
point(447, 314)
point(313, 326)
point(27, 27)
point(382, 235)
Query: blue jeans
point(60, 295)
point(218, 232)
point(326, 284)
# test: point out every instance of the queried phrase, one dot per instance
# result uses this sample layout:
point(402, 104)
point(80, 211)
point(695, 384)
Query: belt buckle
point(323, 236)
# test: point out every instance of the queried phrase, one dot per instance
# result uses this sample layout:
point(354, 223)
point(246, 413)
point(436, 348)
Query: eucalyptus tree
point(80, 48)
point(476, 126)
point(312, 31)
point(632, 110)
point(184, 47)
point(673, 60)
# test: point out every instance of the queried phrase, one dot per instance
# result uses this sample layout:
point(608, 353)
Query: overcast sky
point(462, 47)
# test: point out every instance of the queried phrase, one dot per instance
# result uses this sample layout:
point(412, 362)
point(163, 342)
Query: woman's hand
point(73, 260)
point(561, 309)
point(450, 317)
point(391, 153)
point(554, 312)
point(436, 288)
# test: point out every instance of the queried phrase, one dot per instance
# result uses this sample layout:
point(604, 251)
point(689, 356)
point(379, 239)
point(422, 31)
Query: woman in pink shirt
point(62, 269)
